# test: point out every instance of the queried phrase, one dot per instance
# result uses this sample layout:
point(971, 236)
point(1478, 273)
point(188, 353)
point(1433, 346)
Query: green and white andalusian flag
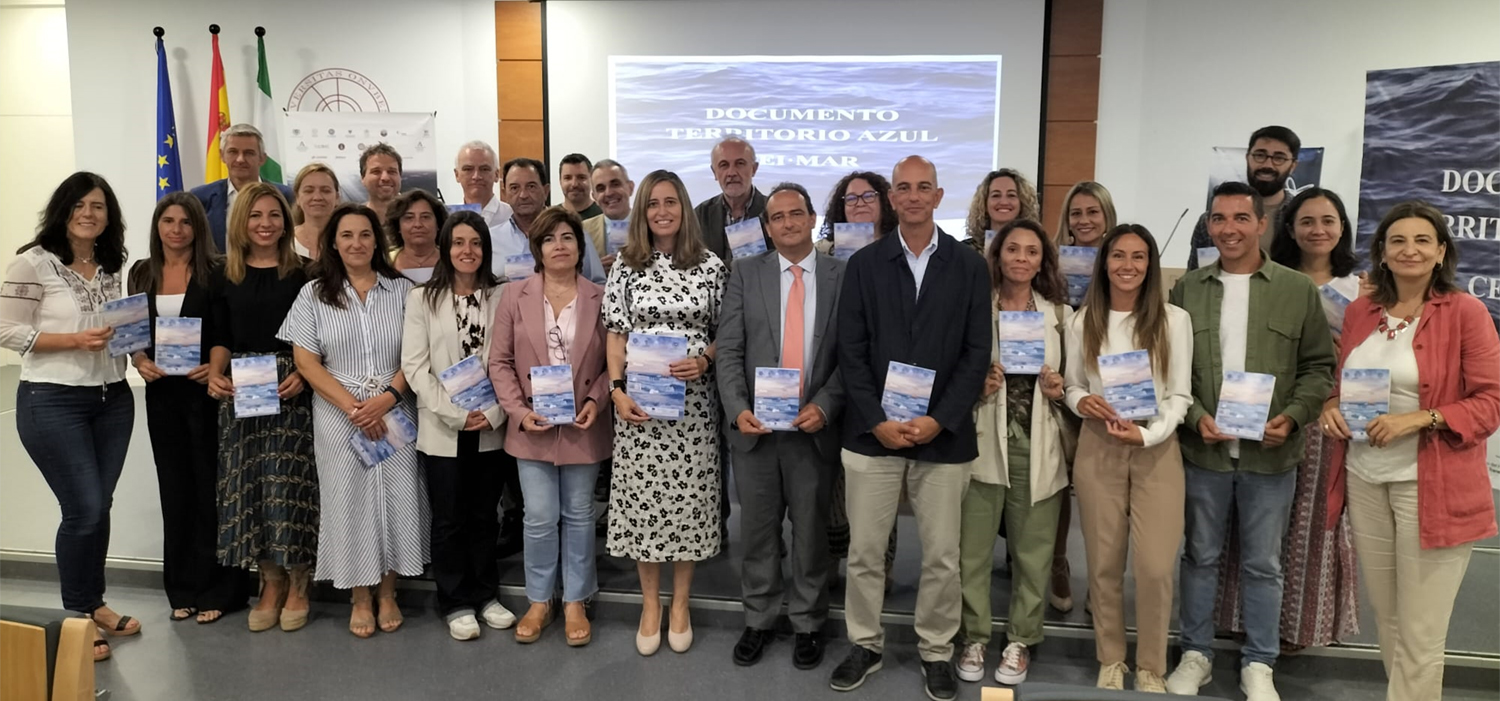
point(265, 117)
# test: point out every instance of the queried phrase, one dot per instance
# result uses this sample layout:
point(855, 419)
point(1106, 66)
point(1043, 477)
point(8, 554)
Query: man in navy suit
point(244, 151)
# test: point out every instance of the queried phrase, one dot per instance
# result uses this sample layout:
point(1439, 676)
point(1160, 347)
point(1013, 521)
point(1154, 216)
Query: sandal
point(530, 628)
point(390, 615)
point(577, 621)
point(209, 616)
point(362, 625)
point(183, 614)
point(122, 627)
point(101, 650)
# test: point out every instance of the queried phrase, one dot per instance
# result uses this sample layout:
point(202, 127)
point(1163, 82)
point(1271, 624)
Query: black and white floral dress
point(664, 489)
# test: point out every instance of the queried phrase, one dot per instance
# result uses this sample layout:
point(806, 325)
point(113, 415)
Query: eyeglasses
point(1277, 159)
point(868, 197)
point(559, 346)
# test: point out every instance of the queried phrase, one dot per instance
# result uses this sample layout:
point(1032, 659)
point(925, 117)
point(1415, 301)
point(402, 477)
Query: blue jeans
point(559, 494)
point(1263, 507)
point(77, 436)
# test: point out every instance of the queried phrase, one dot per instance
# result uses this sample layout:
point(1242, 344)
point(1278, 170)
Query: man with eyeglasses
point(1270, 160)
point(526, 190)
point(477, 168)
point(734, 165)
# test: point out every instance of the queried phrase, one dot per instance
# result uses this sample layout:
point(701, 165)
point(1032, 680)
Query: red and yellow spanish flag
point(218, 119)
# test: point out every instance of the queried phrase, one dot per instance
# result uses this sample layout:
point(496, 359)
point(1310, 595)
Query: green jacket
point(1288, 338)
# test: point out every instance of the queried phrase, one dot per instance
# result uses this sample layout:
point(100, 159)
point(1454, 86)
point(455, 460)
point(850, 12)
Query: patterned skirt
point(268, 482)
point(1320, 580)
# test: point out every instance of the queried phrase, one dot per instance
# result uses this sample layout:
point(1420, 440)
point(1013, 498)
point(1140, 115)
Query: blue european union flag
point(168, 166)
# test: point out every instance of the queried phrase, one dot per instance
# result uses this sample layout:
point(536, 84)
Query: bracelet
point(1432, 415)
point(392, 391)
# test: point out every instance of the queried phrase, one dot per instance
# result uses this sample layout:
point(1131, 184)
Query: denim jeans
point(559, 494)
point(77, 436)
point(1262, 505)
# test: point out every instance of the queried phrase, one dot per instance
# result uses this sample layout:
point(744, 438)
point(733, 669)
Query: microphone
point(1174, 229)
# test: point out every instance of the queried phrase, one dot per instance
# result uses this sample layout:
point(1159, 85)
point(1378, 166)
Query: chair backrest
point(45, 655)
point(1068, 692)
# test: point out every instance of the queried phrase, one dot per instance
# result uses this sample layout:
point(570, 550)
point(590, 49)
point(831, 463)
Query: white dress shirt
point(918, 261)
point(809, 306)
point(496, 212)
point(508, 239)
point(233, 193)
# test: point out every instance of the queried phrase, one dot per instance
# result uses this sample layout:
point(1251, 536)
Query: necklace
point(1391, 333)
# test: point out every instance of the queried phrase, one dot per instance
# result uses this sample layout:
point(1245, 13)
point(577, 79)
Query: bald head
point(914, 192)
point(914, 166)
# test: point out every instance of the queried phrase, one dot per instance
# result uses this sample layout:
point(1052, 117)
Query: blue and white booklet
point(1207, 256)
point(179, 344)
point(130, 317)
point(552, 394)
point(1077, 263)
point(1128, 386)
point(746, 238)
point(648, 375)
point(462, 207)
point(1023, 342)
point(399, 433)
point(908, 389)
point(1363, 395)
point(519, 267)
point(615, 234)
point(778, 394)
point(1245, 404)
point(255, 383)
point(468, 385)
point(1334, 304)
point(849, 237)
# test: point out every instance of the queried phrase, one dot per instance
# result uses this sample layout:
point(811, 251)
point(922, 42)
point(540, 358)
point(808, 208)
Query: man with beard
point(612, 191)
point(1270, 160)
point(380, 171)
point(734, 165)
point(476, 168)
point(525, 188)
point(578, 197)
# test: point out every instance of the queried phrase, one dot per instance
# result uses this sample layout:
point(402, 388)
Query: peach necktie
point(791, 335)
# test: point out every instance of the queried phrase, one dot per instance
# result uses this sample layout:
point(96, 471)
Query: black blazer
point(946, 330)
point(711, 219)
point(196, 302)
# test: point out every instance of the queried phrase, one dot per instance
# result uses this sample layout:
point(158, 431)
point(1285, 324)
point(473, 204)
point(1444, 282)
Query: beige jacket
point(1049, 472)
point(429, 345)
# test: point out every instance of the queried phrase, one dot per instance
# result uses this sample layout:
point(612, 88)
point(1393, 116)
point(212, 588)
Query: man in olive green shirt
point(1249, 315)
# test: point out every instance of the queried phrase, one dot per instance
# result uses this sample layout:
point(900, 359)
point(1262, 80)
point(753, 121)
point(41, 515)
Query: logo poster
point(338, 138)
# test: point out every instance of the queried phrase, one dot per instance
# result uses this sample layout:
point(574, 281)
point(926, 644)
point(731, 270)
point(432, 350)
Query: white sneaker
point(1191, 674)
point(464, 628)
point(1255, 681)
point(497, 616)
point(971, 663)
point(1112, 676)
point(1013, 664)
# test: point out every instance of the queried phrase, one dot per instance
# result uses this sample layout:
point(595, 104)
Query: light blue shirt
point(809, 306)
point(918, 261)
point(507, 239)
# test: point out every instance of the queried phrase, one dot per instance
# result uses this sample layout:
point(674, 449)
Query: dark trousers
point(464, 493)
point(184, 427)
point(784, 476)
point(77, 436)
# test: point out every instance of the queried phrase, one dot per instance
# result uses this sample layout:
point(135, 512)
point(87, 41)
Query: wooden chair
point(45, 655)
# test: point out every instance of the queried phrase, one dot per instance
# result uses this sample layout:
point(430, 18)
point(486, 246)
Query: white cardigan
point(1049, 470)
point(429, 345)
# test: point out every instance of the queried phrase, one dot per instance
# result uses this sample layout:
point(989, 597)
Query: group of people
point(364, 306)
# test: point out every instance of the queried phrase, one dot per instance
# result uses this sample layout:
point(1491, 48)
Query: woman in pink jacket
point(1414, 476)
point(552, 319)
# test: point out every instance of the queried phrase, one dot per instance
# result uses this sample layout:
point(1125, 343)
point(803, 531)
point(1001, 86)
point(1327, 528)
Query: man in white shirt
point(380, 171)
point(244, 152)
point(613, 189)
point(525, 188)
point(779, 312)
point(477, 169)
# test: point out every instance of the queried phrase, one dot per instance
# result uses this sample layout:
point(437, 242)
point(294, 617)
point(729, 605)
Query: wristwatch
point(617, 385)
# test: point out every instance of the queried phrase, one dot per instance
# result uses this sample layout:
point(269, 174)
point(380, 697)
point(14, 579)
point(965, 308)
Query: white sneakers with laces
point(1112, 676)
point(1191, 674)
point(971, 664)
point(1014, 662)
point(1256, 682)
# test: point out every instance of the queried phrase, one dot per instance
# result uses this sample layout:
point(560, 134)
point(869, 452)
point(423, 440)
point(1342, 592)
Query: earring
point(1439, 266)
point(1383, 266)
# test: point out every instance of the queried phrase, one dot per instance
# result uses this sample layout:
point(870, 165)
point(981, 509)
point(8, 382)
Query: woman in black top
point(180, 415)
point(268, 482)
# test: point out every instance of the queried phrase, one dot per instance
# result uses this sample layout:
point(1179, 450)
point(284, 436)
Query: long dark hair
point(1441, 281)
point(1150, 306)
point(834, 213)
point(443, 274)
point(1049, 281)
point(1285, 249)
point(399, 207)
point(146, 277)
point(52, 225)
point(329, 271)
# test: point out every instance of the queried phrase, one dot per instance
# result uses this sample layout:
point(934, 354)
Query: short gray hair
point(611, 163)
point(242, 130)
point(478, 145)
point(732, 139)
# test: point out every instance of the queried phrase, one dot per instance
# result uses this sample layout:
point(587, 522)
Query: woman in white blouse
point(1128, 472)
point(316, 190)
point(74, 410)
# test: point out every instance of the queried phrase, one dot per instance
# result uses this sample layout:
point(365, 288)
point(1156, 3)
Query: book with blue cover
point(468, 385)
point(519, 267)
point(552, 394)
point(1023, 342)
point(746, 238)
point(778, 395)
point(615, 234)
point(849, 237)
point(1128, 386)
point(255, 384)
point(179, 344)
point(399, 433)
point(1245, 404)
point(1334, 304)
point(1207, 256)
point(130, 317)
point(463, 207)
point(908, 389)
point(1077, 264)
point(1364, 393)
point(648, 374)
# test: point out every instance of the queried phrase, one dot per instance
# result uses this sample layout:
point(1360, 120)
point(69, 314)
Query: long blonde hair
point(1065, 235)
point(1150, 308)
point(687, 250)
point(238, 236)
point(309, 169)
point(979, 210)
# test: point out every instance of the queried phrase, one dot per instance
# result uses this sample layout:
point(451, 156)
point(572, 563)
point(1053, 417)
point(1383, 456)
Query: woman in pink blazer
point(1414, 478)
point(552, 319)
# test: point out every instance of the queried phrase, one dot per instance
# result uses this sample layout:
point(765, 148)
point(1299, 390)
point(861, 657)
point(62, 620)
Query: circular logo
point(337, 90)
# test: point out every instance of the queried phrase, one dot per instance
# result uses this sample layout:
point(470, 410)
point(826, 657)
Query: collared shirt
point(233, 192)
point(361, 343)
point(509, 239)
point(560, 344)
point(918, 261)
point(809, 305)
point(496, 212)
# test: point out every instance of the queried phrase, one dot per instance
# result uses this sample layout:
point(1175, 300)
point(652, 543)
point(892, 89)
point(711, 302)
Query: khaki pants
point(1129, 499)
point(1411, 589)
point(872, 495)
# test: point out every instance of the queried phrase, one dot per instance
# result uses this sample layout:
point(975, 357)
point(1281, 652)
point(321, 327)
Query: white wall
point(1179, 77)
